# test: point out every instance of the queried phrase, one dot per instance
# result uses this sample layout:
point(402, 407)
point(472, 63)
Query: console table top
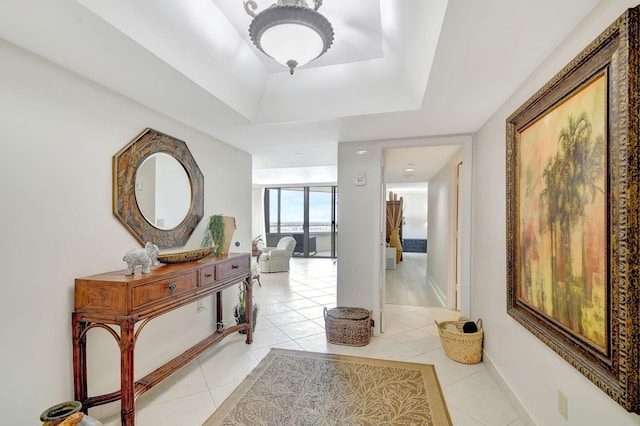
point(159, 271)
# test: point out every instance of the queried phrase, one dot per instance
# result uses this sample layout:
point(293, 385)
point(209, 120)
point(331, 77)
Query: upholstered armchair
point(276, 259)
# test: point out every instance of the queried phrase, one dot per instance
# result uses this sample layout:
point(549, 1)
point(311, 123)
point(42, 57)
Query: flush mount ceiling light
point(408, 173)
point(290, 31)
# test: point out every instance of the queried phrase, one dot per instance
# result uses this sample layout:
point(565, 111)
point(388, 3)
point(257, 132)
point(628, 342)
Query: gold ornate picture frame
point(573, 176)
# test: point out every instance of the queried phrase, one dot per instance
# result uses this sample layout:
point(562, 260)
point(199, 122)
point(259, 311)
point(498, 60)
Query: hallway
point(407, 284)
point(291, 316)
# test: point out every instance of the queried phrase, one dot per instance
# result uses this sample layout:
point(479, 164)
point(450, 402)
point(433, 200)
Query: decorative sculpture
point(394, 220)
point(146, 257)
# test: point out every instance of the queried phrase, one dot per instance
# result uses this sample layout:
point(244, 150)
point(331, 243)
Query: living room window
point(307, 213)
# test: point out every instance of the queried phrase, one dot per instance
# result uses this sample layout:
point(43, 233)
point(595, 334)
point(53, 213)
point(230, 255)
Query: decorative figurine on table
point(146, 257)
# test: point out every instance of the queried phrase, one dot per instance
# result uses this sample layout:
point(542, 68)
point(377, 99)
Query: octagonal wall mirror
point(158, 189)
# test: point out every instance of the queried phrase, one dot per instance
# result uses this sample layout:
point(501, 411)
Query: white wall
point(415, 214)
point(441, 221)
point(257, 214)
point(532, 371)
point(59, 133)
point(359, 227)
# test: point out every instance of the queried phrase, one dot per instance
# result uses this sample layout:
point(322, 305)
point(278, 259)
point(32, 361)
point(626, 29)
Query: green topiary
point(214, 234)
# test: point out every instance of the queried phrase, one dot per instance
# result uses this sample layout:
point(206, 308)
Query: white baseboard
point(520, 409)
point(439, 294)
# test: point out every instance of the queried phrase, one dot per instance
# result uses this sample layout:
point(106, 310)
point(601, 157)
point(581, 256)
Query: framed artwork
point(573, 181)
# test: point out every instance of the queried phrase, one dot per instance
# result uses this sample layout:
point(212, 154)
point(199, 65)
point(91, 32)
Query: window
point(320, 209)
point(306, 213)
point(291, 210)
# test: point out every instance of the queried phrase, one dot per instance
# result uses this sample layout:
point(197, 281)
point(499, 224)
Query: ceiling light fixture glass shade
point(290, 32)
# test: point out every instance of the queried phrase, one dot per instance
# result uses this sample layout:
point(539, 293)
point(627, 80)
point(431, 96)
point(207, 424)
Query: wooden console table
point(114, 298)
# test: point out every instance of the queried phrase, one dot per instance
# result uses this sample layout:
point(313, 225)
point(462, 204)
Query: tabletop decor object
point(186, 256)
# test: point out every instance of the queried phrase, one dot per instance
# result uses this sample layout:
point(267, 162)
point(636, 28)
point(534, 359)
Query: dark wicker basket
point(348, 326)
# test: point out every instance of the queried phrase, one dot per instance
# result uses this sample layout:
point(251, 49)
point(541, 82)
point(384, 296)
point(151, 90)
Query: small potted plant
point(256, 245)
point(214, 233)
point(219, 231)
point(240, 312)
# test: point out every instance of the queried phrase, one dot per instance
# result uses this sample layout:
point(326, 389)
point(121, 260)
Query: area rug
point(306, 388)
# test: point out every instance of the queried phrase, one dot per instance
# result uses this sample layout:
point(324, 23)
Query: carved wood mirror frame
point(125, 206)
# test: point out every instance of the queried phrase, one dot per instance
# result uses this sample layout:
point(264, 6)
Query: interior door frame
point(466, 142)
point(382, 251)
point(455, 237)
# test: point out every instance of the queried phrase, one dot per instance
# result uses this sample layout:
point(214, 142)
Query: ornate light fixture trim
point(290, 31)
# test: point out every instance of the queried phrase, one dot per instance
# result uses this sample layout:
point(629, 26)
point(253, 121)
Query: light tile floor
point(291, 316)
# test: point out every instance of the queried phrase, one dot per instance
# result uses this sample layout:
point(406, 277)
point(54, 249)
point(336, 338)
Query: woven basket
point(461, 347)
point(348, 326)
point(186, 256)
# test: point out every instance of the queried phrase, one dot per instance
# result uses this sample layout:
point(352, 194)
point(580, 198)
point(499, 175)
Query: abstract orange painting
point(563, 195)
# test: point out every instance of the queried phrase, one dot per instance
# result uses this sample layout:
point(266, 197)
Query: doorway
point(430, 278)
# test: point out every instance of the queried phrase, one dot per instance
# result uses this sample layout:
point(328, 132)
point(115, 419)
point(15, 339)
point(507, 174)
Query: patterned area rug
point(306, 388)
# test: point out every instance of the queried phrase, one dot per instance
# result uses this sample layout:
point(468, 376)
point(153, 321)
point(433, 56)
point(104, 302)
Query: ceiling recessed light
point(409, 169)
point(361, 152)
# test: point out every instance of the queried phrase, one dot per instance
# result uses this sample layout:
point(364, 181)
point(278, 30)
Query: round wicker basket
point(465, 348)
point(348, 326)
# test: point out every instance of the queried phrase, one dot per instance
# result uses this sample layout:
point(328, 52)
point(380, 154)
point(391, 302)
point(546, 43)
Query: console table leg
point(219, 320)
point(248, 308)
point(79, 360)
point(127, 381)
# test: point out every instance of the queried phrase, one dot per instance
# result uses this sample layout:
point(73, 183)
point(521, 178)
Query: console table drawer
point(208, 275)
point(158, 290)
point(233, 267)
